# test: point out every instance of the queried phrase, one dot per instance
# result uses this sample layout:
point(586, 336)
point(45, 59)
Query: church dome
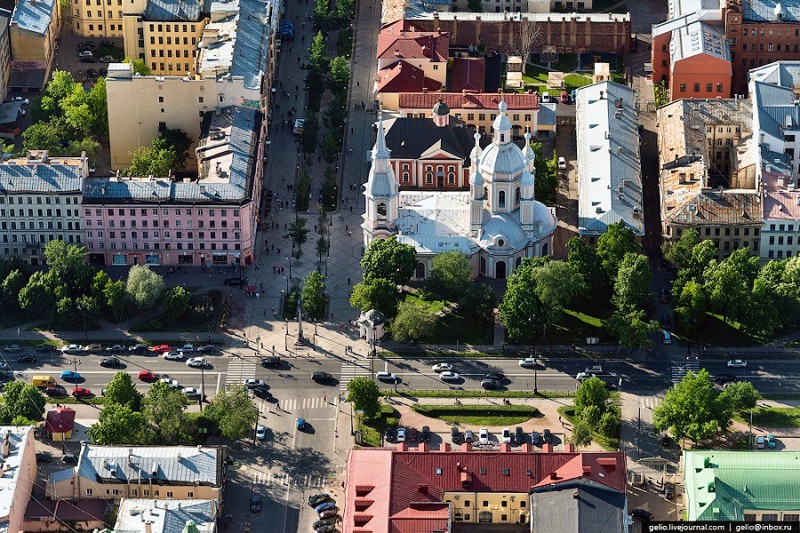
point(441, 108)
point(502, 230)
point(527, 179)
point(502, 159)
point(476, 179)
point(545, 220)
point(502, 123)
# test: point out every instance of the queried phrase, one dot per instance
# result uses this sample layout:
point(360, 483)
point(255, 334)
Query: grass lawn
point(372, 430)
point(433, 305)
point(480, 415)
point(574, 81)
point(456, 327)
point(477, 394)
point(716, 332)
point(772, 417)
point(573, 328)
point(609, 443)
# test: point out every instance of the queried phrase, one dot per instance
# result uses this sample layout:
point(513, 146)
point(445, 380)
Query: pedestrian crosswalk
point(319, 402)
point(649, 402)
point(239, 370)
point(284, 479)
point(681, 368)
point(351, 371)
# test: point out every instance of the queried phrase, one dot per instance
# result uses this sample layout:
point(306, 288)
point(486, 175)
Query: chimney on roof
point(422, 488)
point(445, 447)
point(575, 495)
point(601, 95)
point(553, 476)
point(587, 470)
point(6, 446)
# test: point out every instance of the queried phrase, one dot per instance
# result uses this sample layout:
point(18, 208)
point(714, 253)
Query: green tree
point(365, 395)
point(339, 75)
point(581, 433)
point(612, 246)
point(592, 393)
point(12, 285)
point(298, 232)
point(413, 322)
point(179, 142)
point(345, 10)
point(331, 146)
point(39, 295)
point(98, 285)
point(318, 54)
point(322, 247)
point(313, 295)
point(588, 263)
point(61, 85)
point(176, 301)
point(522, 311)
point(122, 390)
point(739, 396)
point(115, 296)
point(164, 409)
point(144, 286)
point(691, 409)
point(557, 284)
point(86, 309)
point(690, 306)
point(233, 412)
point(70, 262)
point(479, 304)
point(23, 399)
point(380, 294)
point(632, 287)
point(158, 160)
point(139, 66)
point(310, 131)
point(729, 284)
point(451, 273)
point(679, 252)
point(660, 94)
point(322, 10)
point(88, 145)
point(634, 330)
point(389, 259)
point(43, 136)
point(119, 424)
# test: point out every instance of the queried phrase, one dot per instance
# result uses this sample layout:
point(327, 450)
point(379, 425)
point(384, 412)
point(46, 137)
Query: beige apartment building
point(165, 34)
point(33, 32)
point(97, 18)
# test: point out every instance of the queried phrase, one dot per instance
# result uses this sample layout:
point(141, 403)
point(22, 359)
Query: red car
point(81, 392)
point(146, 375)
point(161, 348)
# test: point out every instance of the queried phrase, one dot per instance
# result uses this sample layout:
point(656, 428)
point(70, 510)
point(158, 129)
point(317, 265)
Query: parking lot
point(68, 55)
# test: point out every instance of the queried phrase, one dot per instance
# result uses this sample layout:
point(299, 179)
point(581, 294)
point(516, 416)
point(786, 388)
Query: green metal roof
point(722, 485)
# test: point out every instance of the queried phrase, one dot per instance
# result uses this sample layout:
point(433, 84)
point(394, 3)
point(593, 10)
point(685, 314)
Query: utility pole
point(638, 433)
point(202, 386)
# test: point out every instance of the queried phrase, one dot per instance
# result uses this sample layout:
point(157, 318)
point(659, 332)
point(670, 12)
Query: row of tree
point(160, 417)
point(761, 298)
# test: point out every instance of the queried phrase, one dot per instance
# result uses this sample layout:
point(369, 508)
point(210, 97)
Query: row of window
point(157, 246)
point(100, 15)
point(169, 54)
point(783, 227)
point(724, 129)
point(170, 68)
point(709, 86)
point(155, 223)
point(736, 232)
point(503, 503)
point(155, 234)
point(771, 47)
point(177, 27)
point(59, 225)
point(754, 32)
point(56, 200)
point(15, 237)
point(169, 40)
point(40, 212)
point(772, 255)
point(98, 2)
point(135, 492)
point(111, 27)
point(164, 212)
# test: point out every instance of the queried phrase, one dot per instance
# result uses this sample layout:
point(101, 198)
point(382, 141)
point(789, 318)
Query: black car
point(317, 499)
point(255, 504)
point(496, 376)
point(725, 378)
point(324, 522)
point(389, 435)
point(425, 434)
point(412, 435)
point(43, 457)
point(262, 392)
point(208, 348)
point(234, 282)
point(106, 43)
point(455, 435)
point(111, 362)
point(47, 348)
point(26, 359)
point(666, 441)
point(88, 60)
point(491, 384)
point(641, 514)
point(272, 360)
point(536, 438)
point(138, 348)
point(321, 376)
point(86, 45)
point(519, 436)
point(547, 436)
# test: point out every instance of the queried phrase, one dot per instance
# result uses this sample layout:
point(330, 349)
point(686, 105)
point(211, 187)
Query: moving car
point(160, 348)
point(386, 376)
point(171, 382)
point(173, 356)
point(721, 379)
point(562, 163)
point(111, 362)
point(70, 349)
point(117, 348)
point(70, 375)
point(483, 436)
point(191, 392)
point(580, 376)
point(491, 384)
point(272, 360)
point(737, 363)
point(13, 348)
point(26, 359)
point(320, 377)
point(506, 435)
point(401, 434)
point(197, 362)
point(261, 432)
point(81, 392)
point(300, 423)
point(255, 503)
point(252, 383)
point(497, 376)
point(208, 348)
point(263, 393)
point(317, 499)
point(147, 375)
point(528, 362)
point(594, 369)
point(449, 376)
point(442, 367)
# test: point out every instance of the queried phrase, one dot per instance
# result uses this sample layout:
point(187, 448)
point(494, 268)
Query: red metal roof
point(490, 101)
point(414, 482)
point(468, 74)
point(403, 40)
point(60, 420)
point(403, 77)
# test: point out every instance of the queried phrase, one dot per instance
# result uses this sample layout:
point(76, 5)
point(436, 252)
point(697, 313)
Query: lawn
point(573, 328)
point(716, 332)
point(478, 415)
point(456, 327)
point(372, 430)
point(434, 306)
point(773, 417)
point(439, 393)
point(609, 443)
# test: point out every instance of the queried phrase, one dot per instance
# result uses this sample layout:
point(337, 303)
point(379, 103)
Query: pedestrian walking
point(351, 130)
point(358, 84)
point(560, 421)
point(348, 281)
point(351, 208)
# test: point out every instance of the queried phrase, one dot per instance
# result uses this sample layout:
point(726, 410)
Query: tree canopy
point(365, 396)
point(389, 259)
point(632, 287)
point(380, 294)
point(164, 408)
point(692, 409)
point(233, 412)
point(176, 301)
point(122, 390)
point(22, 399)
point(313, 295)
point(450, 274)
point(414, 321)
point(612, 246)
point(144, 286)
point(119, 424)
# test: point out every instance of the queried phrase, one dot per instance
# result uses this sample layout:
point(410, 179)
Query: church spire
point(502, 125)
point(380, 154)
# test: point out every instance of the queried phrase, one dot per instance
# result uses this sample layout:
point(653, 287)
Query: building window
point(697, 87)
point(683, 87)
point(501, 199)
point(429, 177)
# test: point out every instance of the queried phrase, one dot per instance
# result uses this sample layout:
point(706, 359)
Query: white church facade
point(497, 223)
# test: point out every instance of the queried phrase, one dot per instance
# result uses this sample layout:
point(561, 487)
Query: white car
point(737, 363)
point(386, 376)
point(191, 392)
point(86, 53)
point(401, 434)
point(72, 348)
point(546, 97)
point(441, 367)
point(173, 356)
point(506, 435)
point(186, 348)
point(483, 436)
point(583, 375)
point(171, 382)
point(562, 163)
point(197, 362)
point(252, 383)
point(528, 362)
point(22, 99)
point(13, 348)
point(449, 376)
point(261, 432)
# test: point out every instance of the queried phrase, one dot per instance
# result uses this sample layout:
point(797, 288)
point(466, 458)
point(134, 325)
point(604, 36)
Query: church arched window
point(429, 177)
point(451, 178)
point(381, 211)
point(516, 197)
point(501, 199)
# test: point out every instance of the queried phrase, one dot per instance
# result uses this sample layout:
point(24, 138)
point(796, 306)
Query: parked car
point(642, 515)
point(760, 441)
point(255, 503)
point(449, 376)
point(300, 423)
point(46, 348)
point(519, 436)
point(326, 521)
point(55, 391)
point(106, 43)
point(389, 435)
point(271, 361)
point(137, 348)
point(455, 435)
point(117, 348)
point(81, 392)
point(43, 457)
point(401, 434)
point(13, 348)
point(174, 356)
point(546, 97)
point(87, 60)
point(666, 337)
point(107, 59)
point(317, 499)
point(321, 377)
point(93, 348)
point(469, 436)
point(505, 436)
point(191, 392)
point(174, 383)
point(70, 375)
point(85, 45)
point(325, 506)
point(737, 363)
point(547, 437)
point(536, 438)
point(207, 349)
point(261, 432)
point(441, 367)
point(528, 362)
point(160, 348)
point(85, 53)
point(197, 362)
point(329, 513)
point(771, 442)
point(483, 436)
point(252, 383)
point(111, 362)
point(386, 376)
point(491, 384)
point(326, 528)
point(147, 375)
point(413, 434)
point(562, 163)
point(425, 434)
point(669, 491)
point(71, 349)
point(26, 358)
point(263, 393)
point(186, 348)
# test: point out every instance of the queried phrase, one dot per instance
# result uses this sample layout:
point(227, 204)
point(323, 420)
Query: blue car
point(69, 375)
point(301, 423)
point(325, 506)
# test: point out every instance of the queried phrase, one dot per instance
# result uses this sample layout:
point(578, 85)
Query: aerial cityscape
point(399, 266)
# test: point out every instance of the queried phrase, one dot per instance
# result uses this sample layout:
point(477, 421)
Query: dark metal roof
point(409, 138)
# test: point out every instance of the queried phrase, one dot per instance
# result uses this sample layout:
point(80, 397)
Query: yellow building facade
point(97, 18)
point(33, 33)
point(489, 507)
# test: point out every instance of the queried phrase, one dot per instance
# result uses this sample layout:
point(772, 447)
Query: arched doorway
point(420, 271)
point(546, 249)
point(500, 270)
point(485, 517)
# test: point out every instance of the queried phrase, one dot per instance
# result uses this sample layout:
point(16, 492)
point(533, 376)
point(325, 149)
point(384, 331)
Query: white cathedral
point(497, 223)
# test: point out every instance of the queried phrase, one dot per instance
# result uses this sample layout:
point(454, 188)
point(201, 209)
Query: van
point(594, 369)
point(43, 381)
